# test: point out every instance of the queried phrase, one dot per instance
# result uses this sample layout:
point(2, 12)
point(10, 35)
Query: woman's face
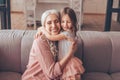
point(52, 24)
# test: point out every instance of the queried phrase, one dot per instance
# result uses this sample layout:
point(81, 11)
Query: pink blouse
point(41, 64)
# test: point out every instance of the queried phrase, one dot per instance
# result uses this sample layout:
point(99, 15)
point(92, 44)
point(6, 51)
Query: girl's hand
point(39, 32)
point(70, 39)
point(73, 47)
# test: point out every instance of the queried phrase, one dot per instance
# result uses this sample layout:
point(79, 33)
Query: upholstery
point(99, 51)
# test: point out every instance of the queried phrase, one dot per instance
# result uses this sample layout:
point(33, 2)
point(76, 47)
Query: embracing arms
point(44, 56)
point(57, 37)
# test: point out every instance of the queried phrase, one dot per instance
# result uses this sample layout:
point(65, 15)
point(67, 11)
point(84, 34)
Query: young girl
point(74, 68)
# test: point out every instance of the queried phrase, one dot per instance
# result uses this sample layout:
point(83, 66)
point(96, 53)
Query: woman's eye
point(69, 22)
point(56, 21)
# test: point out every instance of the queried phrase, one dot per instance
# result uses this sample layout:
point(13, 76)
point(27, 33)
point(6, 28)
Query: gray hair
point(46, 13)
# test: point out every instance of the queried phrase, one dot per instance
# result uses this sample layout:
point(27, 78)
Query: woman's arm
point(51, 68)
point(44, 56)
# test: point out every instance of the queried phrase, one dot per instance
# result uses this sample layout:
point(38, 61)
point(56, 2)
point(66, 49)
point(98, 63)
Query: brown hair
point(71, 13)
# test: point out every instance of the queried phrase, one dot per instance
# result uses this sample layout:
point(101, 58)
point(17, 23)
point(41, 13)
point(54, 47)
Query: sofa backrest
point(100, 51)
point(115, 59)
point(10, 50)
point(15, 47)
point(26, 45)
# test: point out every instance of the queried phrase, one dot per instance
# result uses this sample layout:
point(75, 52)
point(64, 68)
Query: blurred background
point(26, 14)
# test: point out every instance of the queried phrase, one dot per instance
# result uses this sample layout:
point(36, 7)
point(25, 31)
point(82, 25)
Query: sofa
point(99, 51)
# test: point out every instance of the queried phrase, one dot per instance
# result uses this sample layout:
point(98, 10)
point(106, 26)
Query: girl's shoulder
point(67, 33)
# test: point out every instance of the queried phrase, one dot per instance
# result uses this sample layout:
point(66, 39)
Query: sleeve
point(45, 58)
point(64, 33)
point(68, 34)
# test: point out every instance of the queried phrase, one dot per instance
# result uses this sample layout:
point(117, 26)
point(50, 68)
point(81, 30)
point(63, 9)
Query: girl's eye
point(62, 21)
point(49, 22)
point(69, 22)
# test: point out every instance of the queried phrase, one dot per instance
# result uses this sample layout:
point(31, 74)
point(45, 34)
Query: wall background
point(89, 7)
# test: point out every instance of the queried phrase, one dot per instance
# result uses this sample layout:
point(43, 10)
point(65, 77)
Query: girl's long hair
point(71, 13)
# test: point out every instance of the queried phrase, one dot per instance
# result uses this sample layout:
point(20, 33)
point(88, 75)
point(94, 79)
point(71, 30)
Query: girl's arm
point(45, 59)
point(39, 32)
point(69, 55)
point(57, 37)
point(54, 37)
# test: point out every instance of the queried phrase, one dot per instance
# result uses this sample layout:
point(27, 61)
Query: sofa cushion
point(26, 45)
point(10, 76)
point(96, 51)
point(115, 76)
point(115, 60)
point(96, 76)
point(10, 46)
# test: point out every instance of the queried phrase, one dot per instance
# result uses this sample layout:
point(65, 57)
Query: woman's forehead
point(51, 17)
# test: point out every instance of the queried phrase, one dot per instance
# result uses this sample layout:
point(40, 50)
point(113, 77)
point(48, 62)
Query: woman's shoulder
point(41, 38)
point(41, 41)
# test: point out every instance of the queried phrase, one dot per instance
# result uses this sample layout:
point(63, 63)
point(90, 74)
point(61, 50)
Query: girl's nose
point(65, 24)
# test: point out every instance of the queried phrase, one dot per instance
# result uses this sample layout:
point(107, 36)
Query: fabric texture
point(96, 76)
point(64, 45)
point(74, 66)
point(41, 64)
point(99, 51)
point(10, 76)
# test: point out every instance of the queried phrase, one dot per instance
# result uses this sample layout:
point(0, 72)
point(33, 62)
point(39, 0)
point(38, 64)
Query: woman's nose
point(53, 25)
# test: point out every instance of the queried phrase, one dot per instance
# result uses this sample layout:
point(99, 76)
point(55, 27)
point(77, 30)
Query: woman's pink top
point(41, 64)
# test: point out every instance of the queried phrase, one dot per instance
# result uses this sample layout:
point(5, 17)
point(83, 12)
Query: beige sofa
point(100, 52)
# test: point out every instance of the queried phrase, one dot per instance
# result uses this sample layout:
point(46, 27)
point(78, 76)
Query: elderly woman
point(43, 64)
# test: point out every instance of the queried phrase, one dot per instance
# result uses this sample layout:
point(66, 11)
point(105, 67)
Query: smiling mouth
point(54, 30)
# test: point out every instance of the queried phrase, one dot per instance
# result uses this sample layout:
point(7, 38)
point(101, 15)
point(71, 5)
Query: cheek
point(70, 26)
point(59, 27)
point(47, 28)
point(62, 24)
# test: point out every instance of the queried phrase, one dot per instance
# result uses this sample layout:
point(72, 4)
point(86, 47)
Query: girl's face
point(66, 23)
point(52, 24)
